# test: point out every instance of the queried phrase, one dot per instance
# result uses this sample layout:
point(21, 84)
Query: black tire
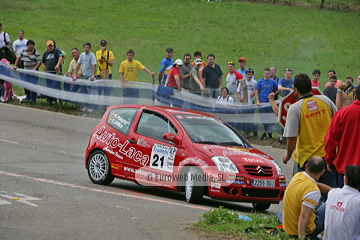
point(194, 185)
point(99, 170)
point(261, 206)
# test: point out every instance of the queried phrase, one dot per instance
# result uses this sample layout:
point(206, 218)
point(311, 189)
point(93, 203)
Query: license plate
point(262, 183)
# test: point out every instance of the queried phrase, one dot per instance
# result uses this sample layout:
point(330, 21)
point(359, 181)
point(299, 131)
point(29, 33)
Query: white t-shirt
point(19, 45)
point(2, 40)
point(250, 86)
point(228, 101)
point(342, 214)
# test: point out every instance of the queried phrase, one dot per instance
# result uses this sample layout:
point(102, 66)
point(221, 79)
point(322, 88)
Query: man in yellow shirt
point(129, 72)
point(300, 216)
point(105, 60)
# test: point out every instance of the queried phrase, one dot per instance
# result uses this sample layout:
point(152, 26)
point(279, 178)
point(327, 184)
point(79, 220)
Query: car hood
point(239, 155)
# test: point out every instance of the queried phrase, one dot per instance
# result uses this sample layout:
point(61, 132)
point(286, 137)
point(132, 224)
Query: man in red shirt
point(316, 81)
point(341, 140)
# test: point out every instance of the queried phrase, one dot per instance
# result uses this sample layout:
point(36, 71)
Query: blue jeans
point(130, 93)
point(107, 90)
point(338, 179)
point(33, 80)
point(54, 85)
point(319, 222)
point(267, 126)
point(214, 92)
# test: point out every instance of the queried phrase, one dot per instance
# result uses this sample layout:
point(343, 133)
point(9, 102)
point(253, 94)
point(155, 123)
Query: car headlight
point(224, 164)
point(278, 168)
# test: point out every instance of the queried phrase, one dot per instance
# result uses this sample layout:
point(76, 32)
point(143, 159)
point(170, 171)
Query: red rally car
point(184, 151)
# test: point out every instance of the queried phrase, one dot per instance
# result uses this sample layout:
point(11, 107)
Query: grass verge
point(223, 223)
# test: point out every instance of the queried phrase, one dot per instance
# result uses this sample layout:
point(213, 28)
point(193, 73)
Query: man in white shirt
point(20, 44)
point(4, 38)
point(246, 95)
point(342, 214)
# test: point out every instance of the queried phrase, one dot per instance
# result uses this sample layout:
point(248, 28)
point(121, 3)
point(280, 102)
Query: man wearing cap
point(185, 72)
point(212, 77)
point(174, 78)
point(242, 69)
point(165, 65)
point(195, 85)
point(242, 64)
point(51, 63)
point(105, 60)
point(197, 55)
point(4, 38)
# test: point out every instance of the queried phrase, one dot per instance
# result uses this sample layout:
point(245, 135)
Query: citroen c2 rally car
point(184, 151)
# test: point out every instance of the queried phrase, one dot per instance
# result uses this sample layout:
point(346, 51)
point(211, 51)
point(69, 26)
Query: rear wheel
point(194, 185)
point(261, 206)
point(99, 168)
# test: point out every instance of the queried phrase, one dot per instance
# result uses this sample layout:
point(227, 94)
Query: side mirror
point(172, 138)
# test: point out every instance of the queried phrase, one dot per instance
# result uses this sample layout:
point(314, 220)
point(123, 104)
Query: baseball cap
point(50, 42)
point(198, 61)
point(242, 59)
point(0, 24)
point(178, 62)
point(102, 42)
point(169, 49)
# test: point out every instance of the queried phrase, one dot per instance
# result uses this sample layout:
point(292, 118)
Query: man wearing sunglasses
point(185, 72)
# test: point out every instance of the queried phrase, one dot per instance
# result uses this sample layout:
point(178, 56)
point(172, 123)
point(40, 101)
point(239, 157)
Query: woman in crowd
point(225, 100)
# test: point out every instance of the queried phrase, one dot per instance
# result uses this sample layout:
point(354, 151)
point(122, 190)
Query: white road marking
point(23, 199)
point(102, 191)
point(3, 202)
point(7, 141)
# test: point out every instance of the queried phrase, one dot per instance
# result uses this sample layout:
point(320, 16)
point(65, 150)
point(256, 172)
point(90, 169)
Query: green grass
point(267, 35)
point(223, 222)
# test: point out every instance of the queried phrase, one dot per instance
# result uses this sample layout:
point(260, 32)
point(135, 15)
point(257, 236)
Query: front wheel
point(194, 185)
point(99, 168)
point(261, 206)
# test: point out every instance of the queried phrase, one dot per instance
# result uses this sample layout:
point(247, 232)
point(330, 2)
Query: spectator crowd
point(321, 130)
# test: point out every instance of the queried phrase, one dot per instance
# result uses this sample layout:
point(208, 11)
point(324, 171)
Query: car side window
point(121, 119)
point(154, 125)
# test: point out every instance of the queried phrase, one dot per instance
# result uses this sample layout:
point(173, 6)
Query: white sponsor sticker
point(162, 157)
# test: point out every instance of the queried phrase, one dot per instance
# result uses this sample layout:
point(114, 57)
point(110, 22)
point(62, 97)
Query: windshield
point(208, 130)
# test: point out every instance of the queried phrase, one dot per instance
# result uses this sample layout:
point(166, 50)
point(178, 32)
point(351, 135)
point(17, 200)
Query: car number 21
point(162, 157)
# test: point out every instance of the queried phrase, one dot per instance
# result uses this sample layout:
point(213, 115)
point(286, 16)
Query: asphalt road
point(45, 192)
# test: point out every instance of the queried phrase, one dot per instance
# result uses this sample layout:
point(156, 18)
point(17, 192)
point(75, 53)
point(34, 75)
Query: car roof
point(170, 110)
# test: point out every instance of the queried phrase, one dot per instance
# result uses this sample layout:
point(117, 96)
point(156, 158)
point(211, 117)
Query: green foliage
point(265, 34)
point(225, 221)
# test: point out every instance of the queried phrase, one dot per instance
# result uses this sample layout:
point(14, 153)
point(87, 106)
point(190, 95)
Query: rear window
point(121, 119)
